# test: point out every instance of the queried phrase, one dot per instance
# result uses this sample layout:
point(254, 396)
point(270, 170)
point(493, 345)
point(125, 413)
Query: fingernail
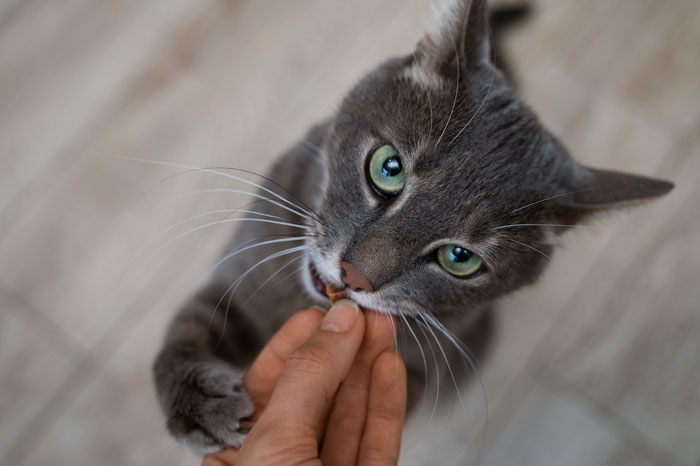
point(341, 317)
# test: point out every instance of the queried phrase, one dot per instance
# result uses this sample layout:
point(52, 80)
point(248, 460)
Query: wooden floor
point(599, 364)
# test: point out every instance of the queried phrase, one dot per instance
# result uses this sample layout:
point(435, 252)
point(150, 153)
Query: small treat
point(334, 294)
point(245, 425)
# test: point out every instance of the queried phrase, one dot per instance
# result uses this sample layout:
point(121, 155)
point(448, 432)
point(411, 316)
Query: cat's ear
point(460, 36)
point(594, 190)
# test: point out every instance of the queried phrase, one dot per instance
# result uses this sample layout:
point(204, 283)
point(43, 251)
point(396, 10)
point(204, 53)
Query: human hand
point(333, 381)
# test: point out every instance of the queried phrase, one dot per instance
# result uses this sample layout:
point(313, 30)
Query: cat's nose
point(353, 278)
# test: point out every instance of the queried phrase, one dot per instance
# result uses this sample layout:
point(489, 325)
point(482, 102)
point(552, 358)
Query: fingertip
point(342, 317)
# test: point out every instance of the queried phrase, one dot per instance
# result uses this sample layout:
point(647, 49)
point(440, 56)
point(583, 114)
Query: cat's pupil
point(391, 166)
point(460, 254)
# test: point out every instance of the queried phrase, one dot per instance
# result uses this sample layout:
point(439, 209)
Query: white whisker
point(291, 274)
point(262, 285)
point(454, 103)
point(421, 325)
point(393, 330)
point(488, 92)
point(220, 173)
point(220, 222)
point(212, 212)
point(231, 290)
point(537, 225)
point(447, 362)
point(241, 249)
point(422, 355)
point(528, 246)
point(303, 141)
point(430, 103)
point(235, 191)
point(464, 351)
point(547, 199)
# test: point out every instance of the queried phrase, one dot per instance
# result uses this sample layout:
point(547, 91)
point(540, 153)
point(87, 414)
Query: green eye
point(386, 171)
point(459, 261)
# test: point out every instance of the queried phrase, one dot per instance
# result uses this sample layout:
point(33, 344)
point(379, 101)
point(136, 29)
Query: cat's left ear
point(460, 36)
point(594, 190)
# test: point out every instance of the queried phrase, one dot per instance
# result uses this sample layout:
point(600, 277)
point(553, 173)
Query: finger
point(261, 378)
point(347, 419)
point(307, 385)
point(386, 411)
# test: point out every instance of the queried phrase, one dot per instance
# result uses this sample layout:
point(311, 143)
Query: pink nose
point(353, 278)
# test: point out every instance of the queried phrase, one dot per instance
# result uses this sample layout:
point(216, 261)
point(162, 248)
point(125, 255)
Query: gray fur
point(479, 165)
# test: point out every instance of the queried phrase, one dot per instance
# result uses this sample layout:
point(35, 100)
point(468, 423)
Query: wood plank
point(117, 420)
point(62, 65)
point(548, 428)
point(635, 346)
point(646, 51)
point(31, 370)
point(643, 51)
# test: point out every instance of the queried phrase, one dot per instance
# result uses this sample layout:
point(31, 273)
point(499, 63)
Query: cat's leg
point(198, 376)
point(198, 373)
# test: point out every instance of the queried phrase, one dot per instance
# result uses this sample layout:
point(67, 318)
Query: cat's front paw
point(206, 411)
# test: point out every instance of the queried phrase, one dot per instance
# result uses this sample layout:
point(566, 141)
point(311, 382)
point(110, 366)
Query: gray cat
point(432, 190)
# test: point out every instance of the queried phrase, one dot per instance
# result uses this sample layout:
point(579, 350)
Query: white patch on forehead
point(423, 77)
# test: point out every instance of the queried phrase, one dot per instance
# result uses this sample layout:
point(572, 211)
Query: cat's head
point(443, 191)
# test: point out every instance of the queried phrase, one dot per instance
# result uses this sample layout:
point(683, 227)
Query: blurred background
point(598, 364)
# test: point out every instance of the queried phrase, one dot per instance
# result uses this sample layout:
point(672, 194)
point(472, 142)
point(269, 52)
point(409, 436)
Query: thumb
point(313, 372)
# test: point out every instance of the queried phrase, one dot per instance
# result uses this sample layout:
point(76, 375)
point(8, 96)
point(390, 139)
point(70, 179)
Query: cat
point(433, 190)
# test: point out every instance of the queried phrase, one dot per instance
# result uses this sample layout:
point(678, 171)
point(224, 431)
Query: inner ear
point(461, 34)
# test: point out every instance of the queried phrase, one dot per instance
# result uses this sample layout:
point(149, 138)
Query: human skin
point(329, 379)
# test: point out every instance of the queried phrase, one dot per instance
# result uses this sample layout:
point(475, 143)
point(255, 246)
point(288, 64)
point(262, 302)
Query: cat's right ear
point(594, 190)
point(604, 189)
point(459, 38)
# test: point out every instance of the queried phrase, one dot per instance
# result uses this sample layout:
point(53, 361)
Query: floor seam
point(628, 434)
point(56, 336)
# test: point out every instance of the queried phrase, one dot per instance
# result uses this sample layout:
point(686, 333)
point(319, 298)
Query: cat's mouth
point(319, 283)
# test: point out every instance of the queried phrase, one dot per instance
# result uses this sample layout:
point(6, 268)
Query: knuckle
point(276, 444)
point(350, 423)
point(374, 456)
point(386, 415)
point(310, 357)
